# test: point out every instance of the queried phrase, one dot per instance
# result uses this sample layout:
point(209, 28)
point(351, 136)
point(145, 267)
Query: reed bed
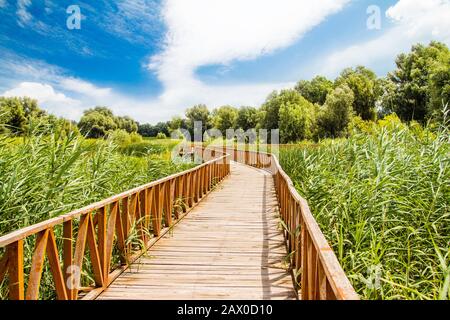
point(382, 200)
point(44, 176)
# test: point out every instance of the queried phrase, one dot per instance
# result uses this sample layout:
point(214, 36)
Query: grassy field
point(382, 200)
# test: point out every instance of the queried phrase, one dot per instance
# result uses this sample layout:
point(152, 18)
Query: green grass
point(382, 200)
point(149, 147)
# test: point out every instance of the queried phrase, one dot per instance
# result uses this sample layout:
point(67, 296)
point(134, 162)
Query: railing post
point(15, 270)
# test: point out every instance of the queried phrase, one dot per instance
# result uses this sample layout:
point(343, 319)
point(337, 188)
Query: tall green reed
point(382, 200)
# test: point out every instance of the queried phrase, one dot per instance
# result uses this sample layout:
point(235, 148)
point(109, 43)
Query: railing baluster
point(37, 264)
point(55, 267)
point(68, 254)
point(77, 266)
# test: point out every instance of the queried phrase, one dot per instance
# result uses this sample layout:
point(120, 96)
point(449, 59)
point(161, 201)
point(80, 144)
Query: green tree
point(421, 81)
point(335, 115)
point(12, 115)
point(97, 122)
point(177, 123)
point(127, 123)
point(225, 118)
point(271, 108)
point(316, 90)
point(162, 127)
point(248, 118)
point(147, 130)
point(100, 121)
point(198, 113)
point(366, 89)
point(17, 113)
point(296, 120)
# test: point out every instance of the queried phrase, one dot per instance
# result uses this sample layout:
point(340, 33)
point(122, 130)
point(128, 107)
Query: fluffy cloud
point(204, 32)
point(84, 88)
point(55, 102)
point(414, 21)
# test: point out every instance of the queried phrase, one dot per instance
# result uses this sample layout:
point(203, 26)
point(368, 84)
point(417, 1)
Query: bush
point(122, 138)
point(161, 135)
point(135, 137)
point(336, 114)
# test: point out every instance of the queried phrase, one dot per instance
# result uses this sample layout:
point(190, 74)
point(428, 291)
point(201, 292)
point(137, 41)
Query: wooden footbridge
point(233, 227)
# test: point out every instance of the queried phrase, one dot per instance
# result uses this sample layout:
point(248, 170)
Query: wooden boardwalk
point(230, 246)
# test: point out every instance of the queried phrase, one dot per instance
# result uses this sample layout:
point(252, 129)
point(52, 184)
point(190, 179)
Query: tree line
point(314, 109)
point(416, 90)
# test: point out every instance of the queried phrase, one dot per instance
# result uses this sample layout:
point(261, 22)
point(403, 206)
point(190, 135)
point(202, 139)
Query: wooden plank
point(15, 270)
point(67, 254)
point(101, 232)
point(110, 232)
point(37, 264)
point(94, 254)
point(3, 266)
point(227, 247)
point(80, 245)
point(55, 267)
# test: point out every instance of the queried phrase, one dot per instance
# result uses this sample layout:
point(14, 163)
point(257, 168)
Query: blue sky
point(152, 59)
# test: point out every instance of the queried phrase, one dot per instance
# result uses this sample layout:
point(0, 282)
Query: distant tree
point(248, 118)
point(198, 113)
point(316, 90)
point(147, 130)
point(439, 82)
point(421, 82)
point(176, 123)
point(100, 109)
point(126, 123)
point(96, 123)
point(366, 89)
point(18, 113)
point(296, 120)
point(12, 115)
point(99, 121)
point(162, 127)
point(335, 115)
point(225, 118)
point(271, 108)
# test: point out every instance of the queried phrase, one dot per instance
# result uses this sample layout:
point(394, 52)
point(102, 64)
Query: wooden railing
point(314, 264)
point(116, 231)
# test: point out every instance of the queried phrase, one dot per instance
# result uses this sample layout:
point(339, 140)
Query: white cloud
point(85, 88)
point(414, 21)
point(202, 32)
point(55, 102)
point(22, 12)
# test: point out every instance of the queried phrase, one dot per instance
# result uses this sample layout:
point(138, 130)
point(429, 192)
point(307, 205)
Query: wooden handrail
point(314, 263)
point(107, 229)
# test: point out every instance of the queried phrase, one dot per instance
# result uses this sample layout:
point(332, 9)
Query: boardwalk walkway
point(229, 246)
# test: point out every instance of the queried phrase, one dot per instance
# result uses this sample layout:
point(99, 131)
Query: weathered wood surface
point(229, 247)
